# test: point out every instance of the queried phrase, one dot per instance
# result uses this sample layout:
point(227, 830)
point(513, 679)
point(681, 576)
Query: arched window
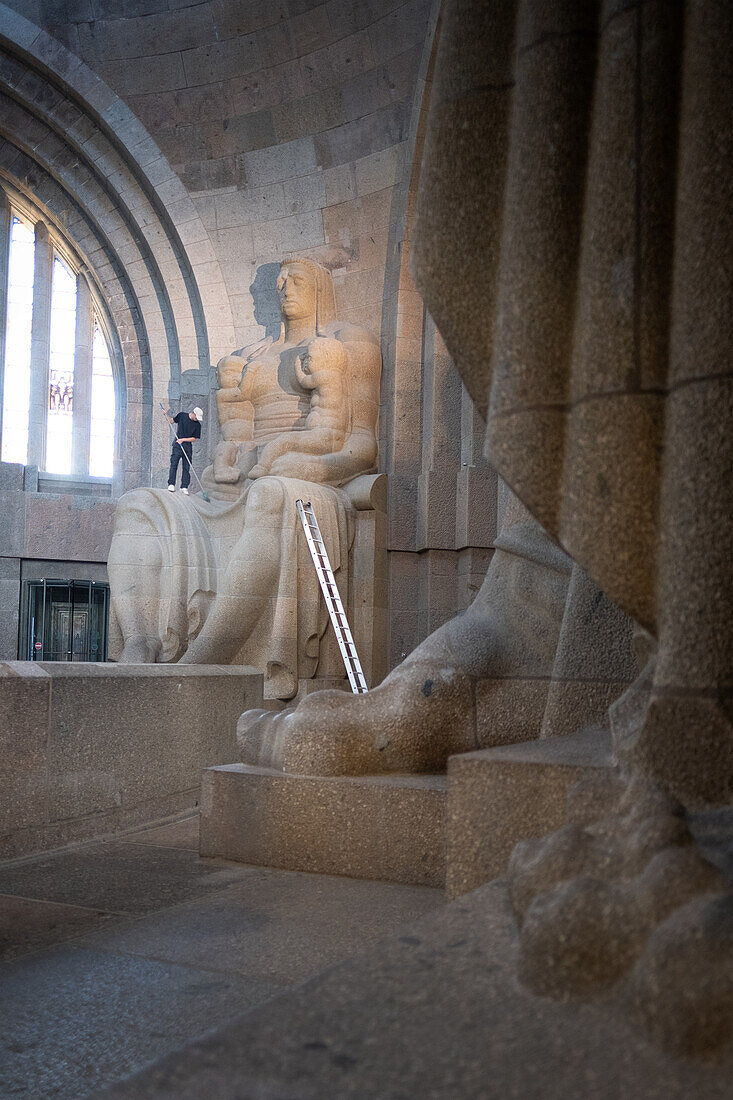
point(59, 407)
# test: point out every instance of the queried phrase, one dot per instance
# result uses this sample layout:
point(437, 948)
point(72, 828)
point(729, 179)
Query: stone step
point(390, 828)
point(499, 796)
point(456, 830)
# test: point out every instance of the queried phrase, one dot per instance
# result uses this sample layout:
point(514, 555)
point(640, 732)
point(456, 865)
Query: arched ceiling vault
point(73, 144)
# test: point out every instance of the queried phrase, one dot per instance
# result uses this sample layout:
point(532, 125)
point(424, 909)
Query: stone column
point(40, 346)
point(6, 219)
point(81, 426)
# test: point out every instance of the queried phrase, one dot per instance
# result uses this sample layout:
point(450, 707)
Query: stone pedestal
point(503, 795)
point(89, 749)
point(389, 828)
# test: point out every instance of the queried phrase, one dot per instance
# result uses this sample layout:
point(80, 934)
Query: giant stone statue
point(578, 157)
point(218, 582)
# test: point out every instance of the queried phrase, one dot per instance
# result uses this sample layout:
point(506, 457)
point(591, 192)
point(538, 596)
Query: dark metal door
point(67, 621)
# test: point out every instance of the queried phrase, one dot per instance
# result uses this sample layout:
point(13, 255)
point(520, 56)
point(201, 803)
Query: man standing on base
point(188, 429)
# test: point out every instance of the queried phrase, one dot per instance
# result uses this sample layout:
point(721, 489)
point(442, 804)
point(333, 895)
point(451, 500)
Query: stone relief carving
point(219, 582)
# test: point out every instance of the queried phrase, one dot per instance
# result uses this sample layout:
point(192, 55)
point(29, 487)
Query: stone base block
point(390, 828)
point(318, 683)
point(89, 749)
point(307, 687)
point(503, 795)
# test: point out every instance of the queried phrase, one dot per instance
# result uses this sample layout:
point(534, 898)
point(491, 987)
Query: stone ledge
point(87, 749)
point(389, 828)
point(500, 796)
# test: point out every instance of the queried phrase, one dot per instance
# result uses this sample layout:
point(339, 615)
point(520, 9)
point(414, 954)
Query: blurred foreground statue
point(573, 247)
point(220, 582)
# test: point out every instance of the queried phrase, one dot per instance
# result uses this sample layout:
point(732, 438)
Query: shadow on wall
point(266, 299)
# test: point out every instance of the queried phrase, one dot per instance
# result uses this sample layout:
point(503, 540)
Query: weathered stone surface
point(24, 704)
point(609, 413)
point(101, 925)
point(500, 796)
point(436, 1011)
point(27, 925)
point(341, 826)
point(89, 748)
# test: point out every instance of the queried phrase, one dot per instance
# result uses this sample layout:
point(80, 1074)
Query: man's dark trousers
point(176, 457)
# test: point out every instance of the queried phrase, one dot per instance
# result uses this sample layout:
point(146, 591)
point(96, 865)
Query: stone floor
point(434, 1012)
point(115, 954)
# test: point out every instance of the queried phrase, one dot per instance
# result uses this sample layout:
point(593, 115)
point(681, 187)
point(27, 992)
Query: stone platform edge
point(87, 749)
point(389, 828)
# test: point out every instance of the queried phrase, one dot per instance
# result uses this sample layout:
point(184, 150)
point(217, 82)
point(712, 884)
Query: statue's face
point(297, 289)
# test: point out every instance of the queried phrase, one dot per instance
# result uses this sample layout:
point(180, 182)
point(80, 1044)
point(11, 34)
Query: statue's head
point(297, 289)
point(306, 292)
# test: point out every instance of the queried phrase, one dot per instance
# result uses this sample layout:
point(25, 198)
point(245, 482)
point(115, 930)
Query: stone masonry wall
point(274, 128)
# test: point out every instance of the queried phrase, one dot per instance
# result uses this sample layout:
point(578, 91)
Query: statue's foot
point(205, 650)
point(412, 722)
point(138, 651)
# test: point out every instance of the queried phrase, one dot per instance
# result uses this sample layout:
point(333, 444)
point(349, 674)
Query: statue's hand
point(227, 475)
point(232, 462)
point(229, 395)
point(303, 466)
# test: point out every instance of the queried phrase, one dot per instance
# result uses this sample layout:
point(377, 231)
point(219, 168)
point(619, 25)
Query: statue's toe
point(257, 737)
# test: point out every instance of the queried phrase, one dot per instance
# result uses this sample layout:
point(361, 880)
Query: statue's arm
point(323, 371)
point(358, 453)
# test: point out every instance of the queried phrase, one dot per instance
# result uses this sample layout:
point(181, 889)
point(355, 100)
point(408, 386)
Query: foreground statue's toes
point(294, 740)
point(412, 722)
point(257, 738)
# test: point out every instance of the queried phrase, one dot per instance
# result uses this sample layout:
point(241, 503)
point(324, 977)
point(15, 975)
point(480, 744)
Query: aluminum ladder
point(332, 596)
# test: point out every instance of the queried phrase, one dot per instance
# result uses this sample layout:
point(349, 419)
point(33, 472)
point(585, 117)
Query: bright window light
point(102, 439)
point(78, 406)
point(61, 370)
point(17, 383)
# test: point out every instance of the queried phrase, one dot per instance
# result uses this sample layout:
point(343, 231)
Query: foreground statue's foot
point(412, 722)
point(205, 650)
point(623, 899)
point(138, 651)
point(427, 708)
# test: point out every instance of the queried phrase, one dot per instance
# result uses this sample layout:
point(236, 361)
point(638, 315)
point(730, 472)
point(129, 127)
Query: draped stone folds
point(578, 275)
point(197, 541)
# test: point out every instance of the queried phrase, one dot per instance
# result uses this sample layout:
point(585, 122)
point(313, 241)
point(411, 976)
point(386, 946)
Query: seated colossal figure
point(218, 581)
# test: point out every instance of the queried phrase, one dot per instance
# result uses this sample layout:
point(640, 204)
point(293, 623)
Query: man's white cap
point(199, 413)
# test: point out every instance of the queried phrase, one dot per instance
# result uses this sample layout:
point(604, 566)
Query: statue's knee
point(265, 502)
point(136, 502)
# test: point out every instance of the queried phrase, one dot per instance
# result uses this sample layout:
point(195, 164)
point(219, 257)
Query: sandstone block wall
point(185, 150)
point(64, 536)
